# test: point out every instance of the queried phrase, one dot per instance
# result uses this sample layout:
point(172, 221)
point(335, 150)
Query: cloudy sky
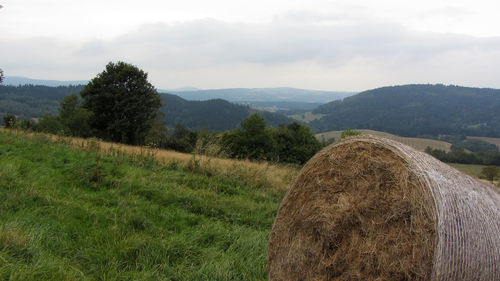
point(348, 45)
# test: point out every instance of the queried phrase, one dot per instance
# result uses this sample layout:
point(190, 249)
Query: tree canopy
point(416, 110)
point(123, 104)
point(292, 143)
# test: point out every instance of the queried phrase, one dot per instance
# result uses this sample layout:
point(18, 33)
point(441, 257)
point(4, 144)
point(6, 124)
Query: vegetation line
point(258, 174)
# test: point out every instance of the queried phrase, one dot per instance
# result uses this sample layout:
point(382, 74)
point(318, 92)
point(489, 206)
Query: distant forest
point(416, 110)
point(410, 110)
point(32, 102)
point(213, 115)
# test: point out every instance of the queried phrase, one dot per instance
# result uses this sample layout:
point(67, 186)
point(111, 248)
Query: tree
point(50, 124)
point(252, 141)
point(295, 143)
point(1, 73)
point(74, 117)
point(9, 120)
point(182, 139)
point(124, 105)
point(490, 172)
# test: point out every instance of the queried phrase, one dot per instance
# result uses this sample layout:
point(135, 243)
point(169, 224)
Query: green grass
point(473, 170)
point(75, 215)
point(417, 143)
point(470, 169)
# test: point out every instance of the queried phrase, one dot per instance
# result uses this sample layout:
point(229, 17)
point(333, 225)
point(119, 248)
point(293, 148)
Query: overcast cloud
point(301, 48)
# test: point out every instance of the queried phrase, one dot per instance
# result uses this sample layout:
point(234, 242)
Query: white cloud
point(300, 49)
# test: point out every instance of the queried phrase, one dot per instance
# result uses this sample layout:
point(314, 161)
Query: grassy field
point(495, 141)
point(79, 214)
point(307, 117)
point(470, 169)
point(74, 209)
point(417, 143)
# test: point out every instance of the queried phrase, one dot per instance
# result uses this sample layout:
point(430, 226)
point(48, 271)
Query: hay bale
point(370, 208)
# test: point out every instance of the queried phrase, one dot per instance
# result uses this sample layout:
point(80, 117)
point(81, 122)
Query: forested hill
point(413, 110)
point(30, 101)
point(213, 115)
point(33, 101)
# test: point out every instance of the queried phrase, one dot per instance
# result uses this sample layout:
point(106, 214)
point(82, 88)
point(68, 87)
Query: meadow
point(69, 213)
point(83, 209)
point(418, 143)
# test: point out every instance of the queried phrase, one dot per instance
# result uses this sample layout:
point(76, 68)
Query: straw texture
point(370, 208)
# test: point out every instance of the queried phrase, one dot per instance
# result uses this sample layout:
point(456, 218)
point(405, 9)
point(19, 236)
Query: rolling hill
point(19, 81)
point(31, 101)
point(213, 115)
point(269, 99)
point(284, 94)
point(416, 110)
point(76, 213)
point(417, 143)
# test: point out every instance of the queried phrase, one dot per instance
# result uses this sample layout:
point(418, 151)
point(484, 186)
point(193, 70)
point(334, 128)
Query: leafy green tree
point(73, 117)
point(490, 172)
point(123, 103)
point(253, 140)
point(9, 120)
point(182, 139)
point(349, 133)
point(157, 135)
point(51, 124)
point(295, 143)
point(25, 124)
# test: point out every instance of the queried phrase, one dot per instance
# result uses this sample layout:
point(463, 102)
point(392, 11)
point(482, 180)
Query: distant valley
point(269, 99)
point(18, 80)
point(214, 114)
point(408, 110)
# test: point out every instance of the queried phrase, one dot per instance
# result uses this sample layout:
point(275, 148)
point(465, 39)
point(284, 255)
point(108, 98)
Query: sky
point(340, 45)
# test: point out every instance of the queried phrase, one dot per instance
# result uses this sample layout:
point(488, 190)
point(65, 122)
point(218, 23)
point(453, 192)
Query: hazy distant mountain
point(183, 89)
point(16, 80)
point(241, 95)
point(277, 106)
point(413, 110)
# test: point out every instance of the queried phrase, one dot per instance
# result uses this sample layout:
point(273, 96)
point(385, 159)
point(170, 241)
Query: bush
point(490, 172)
point(349, 133)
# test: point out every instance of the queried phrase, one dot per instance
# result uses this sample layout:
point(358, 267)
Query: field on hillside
point(417, 143)
point(79, 214)
point(495, 141)
point(470, 169)
point(307, 116)
point(75, 209)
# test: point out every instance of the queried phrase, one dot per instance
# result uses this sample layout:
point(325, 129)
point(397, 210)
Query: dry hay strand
point(370, 208)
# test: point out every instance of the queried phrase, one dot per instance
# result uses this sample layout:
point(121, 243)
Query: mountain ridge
point(416, 109)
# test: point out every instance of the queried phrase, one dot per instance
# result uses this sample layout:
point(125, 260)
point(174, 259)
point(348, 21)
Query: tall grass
point(262, 174)
point(112, 212)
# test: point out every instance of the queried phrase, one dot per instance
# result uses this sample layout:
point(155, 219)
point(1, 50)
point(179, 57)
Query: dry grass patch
point(262, 174)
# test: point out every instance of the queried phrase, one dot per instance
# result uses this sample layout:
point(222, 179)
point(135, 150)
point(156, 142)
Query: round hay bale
point(370, 208)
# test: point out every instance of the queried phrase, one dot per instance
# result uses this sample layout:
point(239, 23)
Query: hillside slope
point(282, 94)
point(414, 110)
point(417, 143)
point(30, 101)
point(213, 115)
point(79, 215)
